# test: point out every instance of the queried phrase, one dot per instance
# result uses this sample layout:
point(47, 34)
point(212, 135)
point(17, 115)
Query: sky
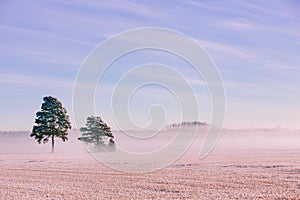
point(254, 44)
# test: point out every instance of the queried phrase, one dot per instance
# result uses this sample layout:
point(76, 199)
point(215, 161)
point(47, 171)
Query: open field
point(222, 175)
point(246, 170)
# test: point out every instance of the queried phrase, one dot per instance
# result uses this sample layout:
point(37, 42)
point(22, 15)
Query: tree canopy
point(52, 121)
point(97, 132)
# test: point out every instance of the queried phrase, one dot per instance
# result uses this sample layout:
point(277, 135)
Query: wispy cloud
point(240, 25)
point(226, 49)
point(276, 65)
point(261, 9)
point(34, 82)
point(209, 5)
point(251, 57)
point(41, 46)
point(129, 7)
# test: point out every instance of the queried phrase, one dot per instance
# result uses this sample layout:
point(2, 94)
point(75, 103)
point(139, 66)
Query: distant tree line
point(194, 123)
point(13, 133)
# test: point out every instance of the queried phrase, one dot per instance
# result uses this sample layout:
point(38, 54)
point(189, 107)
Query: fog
point(230, 140)
point(22, 143)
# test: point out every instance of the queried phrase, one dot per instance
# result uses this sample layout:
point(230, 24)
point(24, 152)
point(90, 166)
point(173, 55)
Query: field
point(224, 174)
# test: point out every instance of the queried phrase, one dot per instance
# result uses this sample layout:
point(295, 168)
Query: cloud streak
point(35, 82)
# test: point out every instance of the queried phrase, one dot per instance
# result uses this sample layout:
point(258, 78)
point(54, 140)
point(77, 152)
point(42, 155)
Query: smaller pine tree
point(98, 133)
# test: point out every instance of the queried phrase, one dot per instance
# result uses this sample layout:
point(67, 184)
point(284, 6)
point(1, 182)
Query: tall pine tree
point(52, 121)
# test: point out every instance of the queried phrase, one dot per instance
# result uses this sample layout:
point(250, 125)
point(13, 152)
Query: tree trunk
point(52, 143)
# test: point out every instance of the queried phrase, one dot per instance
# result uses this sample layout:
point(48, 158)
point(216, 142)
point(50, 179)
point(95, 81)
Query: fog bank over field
point(20, 142)
point(249, 139)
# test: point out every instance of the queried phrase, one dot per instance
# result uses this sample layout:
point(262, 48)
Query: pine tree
point(52, 121)
point(97, 132)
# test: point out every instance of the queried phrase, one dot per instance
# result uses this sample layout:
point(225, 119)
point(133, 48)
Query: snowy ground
point(236, 173)
point(222, 175)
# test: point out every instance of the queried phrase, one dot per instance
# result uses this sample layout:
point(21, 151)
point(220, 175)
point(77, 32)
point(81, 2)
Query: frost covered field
point(254, 164)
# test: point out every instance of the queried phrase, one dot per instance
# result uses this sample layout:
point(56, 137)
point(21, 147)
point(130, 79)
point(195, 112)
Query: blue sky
point(255, 45)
